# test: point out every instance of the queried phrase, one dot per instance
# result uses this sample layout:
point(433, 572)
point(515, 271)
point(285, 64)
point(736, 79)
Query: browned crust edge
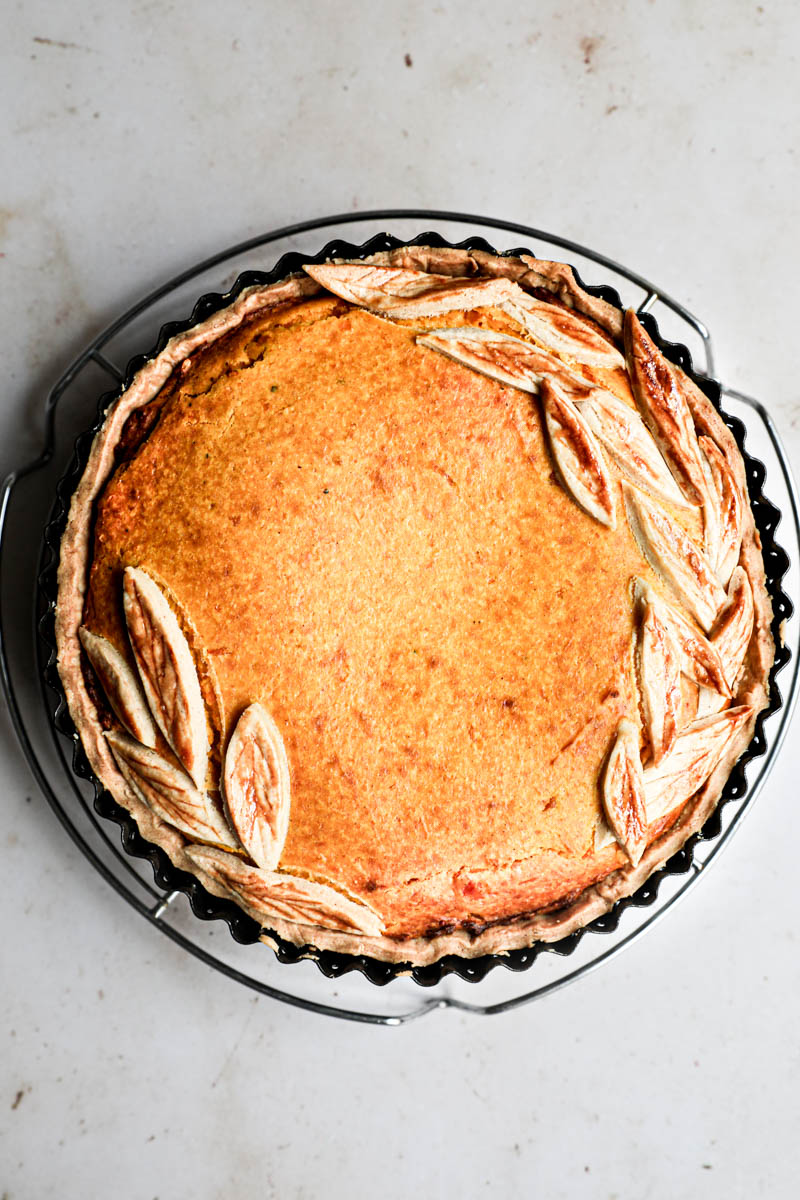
point(73, 576)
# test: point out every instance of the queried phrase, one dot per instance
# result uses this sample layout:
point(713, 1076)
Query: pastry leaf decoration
point(507, 359)
point(280, 895)
point(256, 781)
point(731, 634)
point(561, 329)
point(700, 660)
point(577, 455)
point(730, 506)
point(406, 294)
point(380, 288)
point(663, 407)
point(622, 792)
point(672, 553)
point(169, 792)
point(120, 686)
point(627, 439)
point(167, 671)
point(693, 757)
point(658, 665)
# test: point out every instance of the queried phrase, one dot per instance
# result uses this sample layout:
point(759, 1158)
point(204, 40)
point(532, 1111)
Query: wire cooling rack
point(27, 496)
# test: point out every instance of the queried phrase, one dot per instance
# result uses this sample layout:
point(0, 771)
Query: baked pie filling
point(416, 604)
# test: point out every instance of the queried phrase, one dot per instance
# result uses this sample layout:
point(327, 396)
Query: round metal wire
point(75, 807)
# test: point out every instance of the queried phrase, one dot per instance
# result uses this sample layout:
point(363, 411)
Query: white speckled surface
point(141, 137)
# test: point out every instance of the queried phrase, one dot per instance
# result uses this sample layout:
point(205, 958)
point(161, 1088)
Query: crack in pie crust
point(415, 604)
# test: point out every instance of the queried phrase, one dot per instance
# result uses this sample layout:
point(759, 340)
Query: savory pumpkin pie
point(415, 603)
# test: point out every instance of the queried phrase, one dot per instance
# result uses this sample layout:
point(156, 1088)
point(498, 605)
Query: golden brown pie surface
point(374, 543)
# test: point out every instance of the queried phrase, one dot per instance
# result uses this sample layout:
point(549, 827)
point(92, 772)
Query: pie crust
point(416, 604)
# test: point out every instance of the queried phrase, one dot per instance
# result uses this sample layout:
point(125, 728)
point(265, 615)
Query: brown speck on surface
point(44, 41)
point(611, 108)
point(7, 215)
point(589, 46)
point(17, 1099)
point(408, 60)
